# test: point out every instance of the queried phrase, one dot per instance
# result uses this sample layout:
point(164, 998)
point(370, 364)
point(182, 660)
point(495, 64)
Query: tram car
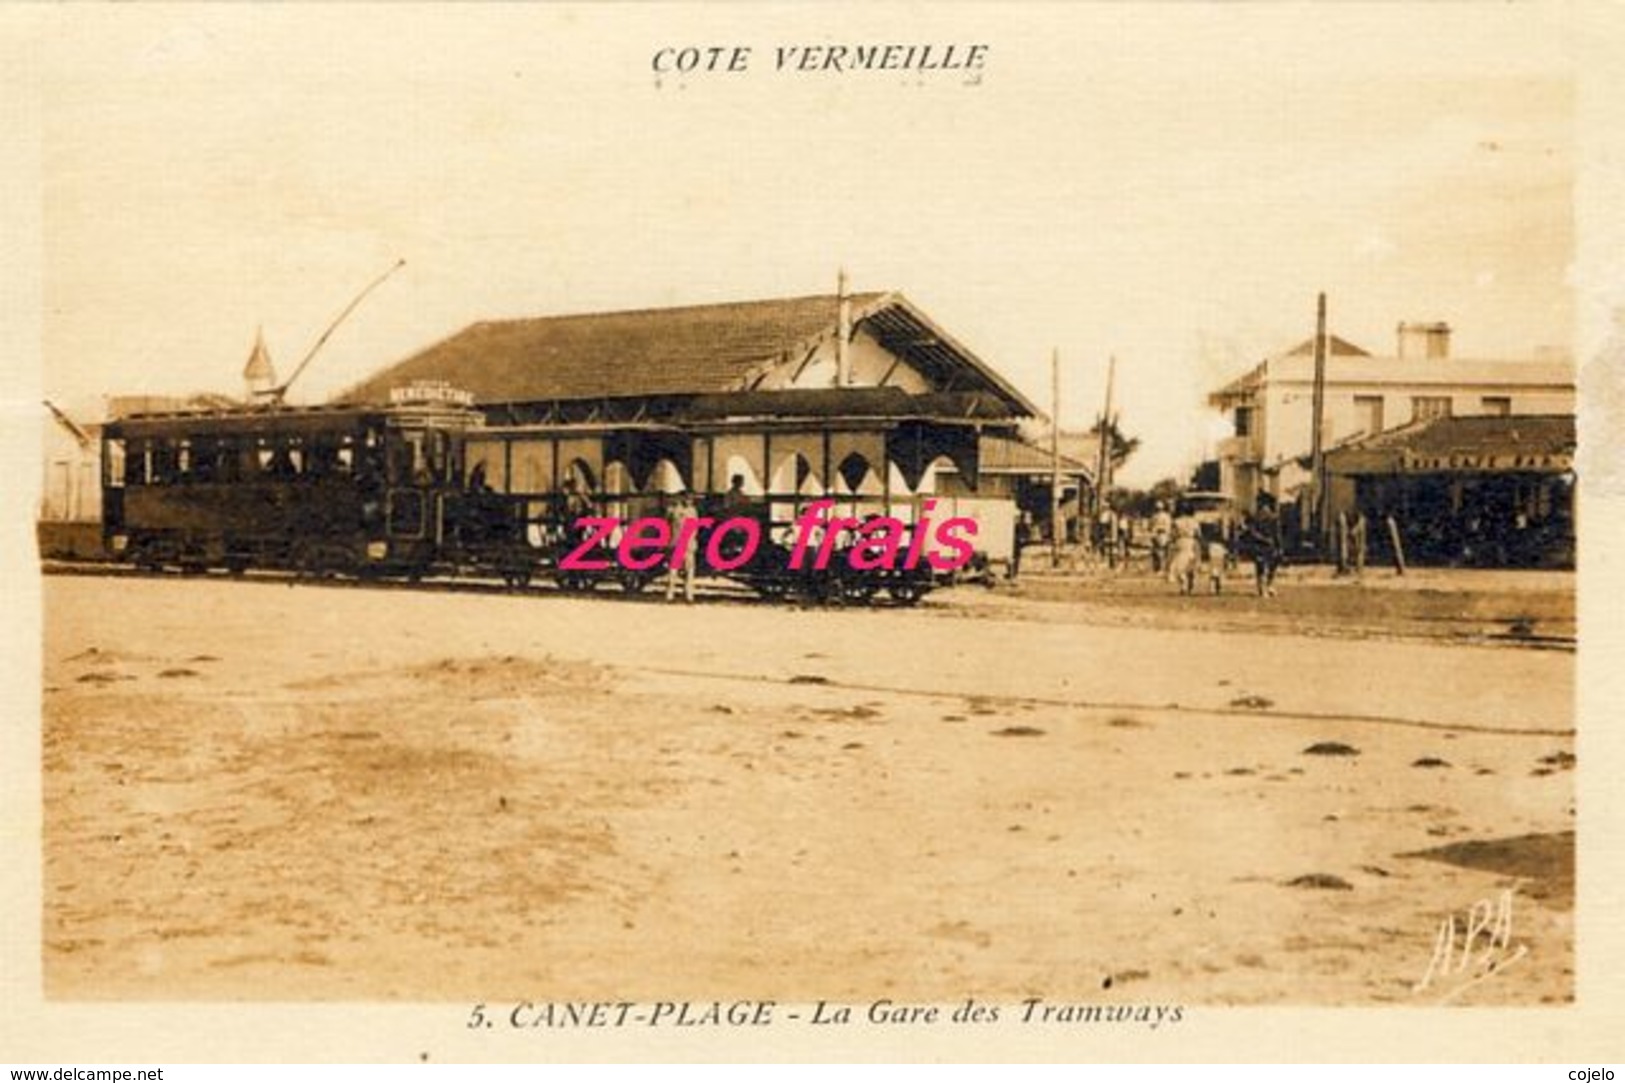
point(375, 491)
point(366, 491)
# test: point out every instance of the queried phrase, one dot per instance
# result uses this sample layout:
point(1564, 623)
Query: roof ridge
point(864, 295)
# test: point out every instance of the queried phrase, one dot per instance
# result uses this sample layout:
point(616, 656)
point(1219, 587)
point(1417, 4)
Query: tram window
point(205, 456)
point(439, 457)
point(344, 456)
point(323, 456)
point(228, 459)
point(138, 463)
point(409, 464)
point(163, 464)
point(401, 462)
point(183, 461)
point(113, 462)
point(283, 458)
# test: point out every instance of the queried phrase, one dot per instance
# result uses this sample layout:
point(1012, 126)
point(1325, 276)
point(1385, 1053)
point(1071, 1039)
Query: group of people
point(1182, 544)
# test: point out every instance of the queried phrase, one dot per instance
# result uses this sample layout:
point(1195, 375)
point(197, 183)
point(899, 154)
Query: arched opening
point(859, 490)
point(618, 490)
point(857, 477)
point(738, 466)
point(666, 478)
point(794, 474)
point(578, 489)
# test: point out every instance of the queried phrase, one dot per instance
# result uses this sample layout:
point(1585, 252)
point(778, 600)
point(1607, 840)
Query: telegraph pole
point(1317, 453)
point(1055, 526)
point(1103, 459)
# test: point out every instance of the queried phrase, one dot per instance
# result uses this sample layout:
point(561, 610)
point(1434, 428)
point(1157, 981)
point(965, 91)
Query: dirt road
point(263, 791)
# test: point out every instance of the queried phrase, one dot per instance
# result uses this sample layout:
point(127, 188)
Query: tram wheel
point(861, 591)
point(906, 593)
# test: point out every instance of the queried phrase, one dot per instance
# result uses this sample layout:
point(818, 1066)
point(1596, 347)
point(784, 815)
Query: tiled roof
point(696, 350)
point(1540, 434)
point(1516, 442)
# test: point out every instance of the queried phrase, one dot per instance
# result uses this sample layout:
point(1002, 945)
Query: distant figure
point(1218, 556)
point(1023, 531)
point(1358, 541)
point(1162, 533)
point(680, 514)
point(735, 498)
point(1263, 540)
point(576, 503)
point(476, 479)
point(1185, 553)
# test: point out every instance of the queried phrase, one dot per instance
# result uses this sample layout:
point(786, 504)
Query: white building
point(1271, 407)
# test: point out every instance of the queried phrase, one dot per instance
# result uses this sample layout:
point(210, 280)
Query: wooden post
point(1342, 543)
point(1103, 469)
point(1399, 546)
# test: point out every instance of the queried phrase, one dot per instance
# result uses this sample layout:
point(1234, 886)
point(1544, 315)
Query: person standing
point(1186, 552)
point(1218, 557)
point(680, 516)
point(1264, 540)
point(1021, 534)
point(1358, 540)
point(1162, 531)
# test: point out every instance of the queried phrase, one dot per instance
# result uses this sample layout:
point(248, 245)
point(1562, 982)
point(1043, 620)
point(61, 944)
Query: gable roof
point(693, 350)
point(1250, 380)
point(1337, 347)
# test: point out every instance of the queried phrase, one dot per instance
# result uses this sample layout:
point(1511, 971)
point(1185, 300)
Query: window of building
point(1244, 421)
point(1427, 407)
point(1496, 405)
point(1368, 413)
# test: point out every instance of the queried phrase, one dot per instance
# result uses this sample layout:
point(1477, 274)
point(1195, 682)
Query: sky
point(1170, 184)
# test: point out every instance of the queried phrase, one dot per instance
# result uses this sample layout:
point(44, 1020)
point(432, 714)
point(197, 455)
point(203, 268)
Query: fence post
point(1399, 546)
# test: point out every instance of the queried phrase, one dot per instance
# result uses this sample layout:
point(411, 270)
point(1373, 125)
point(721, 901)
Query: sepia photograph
point(897, 528)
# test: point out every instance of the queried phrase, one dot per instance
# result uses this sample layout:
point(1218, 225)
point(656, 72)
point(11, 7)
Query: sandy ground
point(261, 791)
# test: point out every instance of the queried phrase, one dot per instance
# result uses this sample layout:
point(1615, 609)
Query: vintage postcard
point(598, 531)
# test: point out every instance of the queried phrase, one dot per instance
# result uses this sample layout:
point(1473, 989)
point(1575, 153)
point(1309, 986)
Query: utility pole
point(1103, 457)
point(1055, 526)
point(1317, 453)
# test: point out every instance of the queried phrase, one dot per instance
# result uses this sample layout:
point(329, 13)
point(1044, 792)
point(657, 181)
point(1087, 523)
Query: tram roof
point(276, 419)
point(693, 350)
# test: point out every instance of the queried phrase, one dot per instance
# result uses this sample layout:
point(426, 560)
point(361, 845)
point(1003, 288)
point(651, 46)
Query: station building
point(859, 397)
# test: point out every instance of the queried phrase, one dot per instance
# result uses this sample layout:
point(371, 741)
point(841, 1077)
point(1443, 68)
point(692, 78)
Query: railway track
point(706, 589)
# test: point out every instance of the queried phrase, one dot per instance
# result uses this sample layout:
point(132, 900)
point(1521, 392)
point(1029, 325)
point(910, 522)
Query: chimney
point(843, 332)
point(1424, 341)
